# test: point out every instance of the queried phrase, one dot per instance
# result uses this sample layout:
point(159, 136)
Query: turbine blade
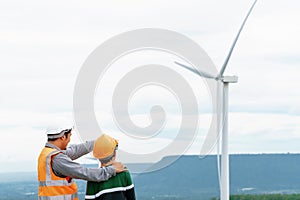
point(213, 137)
point(219, 128)
point(235, 40)
point(198, 72)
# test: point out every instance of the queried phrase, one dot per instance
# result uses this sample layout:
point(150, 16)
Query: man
point(119, 187)
point(56, 168)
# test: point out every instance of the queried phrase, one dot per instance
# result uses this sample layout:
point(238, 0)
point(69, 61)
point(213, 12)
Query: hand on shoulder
point(119, 167)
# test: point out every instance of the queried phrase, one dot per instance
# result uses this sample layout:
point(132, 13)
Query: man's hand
point(119, 167)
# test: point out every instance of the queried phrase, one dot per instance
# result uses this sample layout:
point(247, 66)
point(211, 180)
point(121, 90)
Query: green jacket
point(119, 187)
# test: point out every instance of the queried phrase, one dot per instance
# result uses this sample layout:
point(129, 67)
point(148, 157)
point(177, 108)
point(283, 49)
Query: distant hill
point(190, 178)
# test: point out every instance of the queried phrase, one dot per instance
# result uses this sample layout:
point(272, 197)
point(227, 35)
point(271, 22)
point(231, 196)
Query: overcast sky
point(43, 45)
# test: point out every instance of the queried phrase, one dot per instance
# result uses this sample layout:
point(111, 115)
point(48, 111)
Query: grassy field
point(264, 197)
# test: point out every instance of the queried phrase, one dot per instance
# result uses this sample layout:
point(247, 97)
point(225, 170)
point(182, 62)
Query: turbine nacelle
point(224, 79)
point(229, 79)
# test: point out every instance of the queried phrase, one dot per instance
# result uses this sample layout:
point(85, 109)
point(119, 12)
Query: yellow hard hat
point(104, 146)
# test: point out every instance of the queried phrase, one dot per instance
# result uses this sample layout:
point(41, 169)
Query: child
point(119, 187)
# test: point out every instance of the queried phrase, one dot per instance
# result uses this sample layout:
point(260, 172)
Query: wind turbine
point(225, 80)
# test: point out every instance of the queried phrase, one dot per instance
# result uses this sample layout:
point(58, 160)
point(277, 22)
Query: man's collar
point(48, 144)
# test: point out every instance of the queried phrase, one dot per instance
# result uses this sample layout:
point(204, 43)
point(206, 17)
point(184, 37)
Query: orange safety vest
point(52, 187)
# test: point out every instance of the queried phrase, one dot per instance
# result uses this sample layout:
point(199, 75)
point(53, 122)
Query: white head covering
point(57, 133)
point(58, 130)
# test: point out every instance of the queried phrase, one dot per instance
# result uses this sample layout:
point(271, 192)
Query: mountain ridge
point(191, 177)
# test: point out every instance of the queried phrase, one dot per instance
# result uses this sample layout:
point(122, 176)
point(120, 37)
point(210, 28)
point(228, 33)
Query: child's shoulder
point(125, 173)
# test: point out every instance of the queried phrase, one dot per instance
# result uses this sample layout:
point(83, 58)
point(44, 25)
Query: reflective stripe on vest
point(52, 187)
point(70, 196)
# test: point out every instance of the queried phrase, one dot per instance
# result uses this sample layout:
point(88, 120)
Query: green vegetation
point(265, 197)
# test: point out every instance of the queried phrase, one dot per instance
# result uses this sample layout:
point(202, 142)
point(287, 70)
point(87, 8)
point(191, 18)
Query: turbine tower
point(225, 80)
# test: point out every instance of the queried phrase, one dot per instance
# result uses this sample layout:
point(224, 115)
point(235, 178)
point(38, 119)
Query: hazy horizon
point(29, 166)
